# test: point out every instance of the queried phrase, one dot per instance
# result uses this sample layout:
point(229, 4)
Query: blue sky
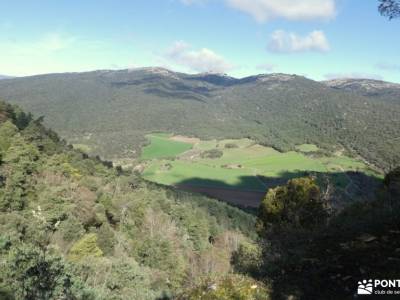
point(320, 39)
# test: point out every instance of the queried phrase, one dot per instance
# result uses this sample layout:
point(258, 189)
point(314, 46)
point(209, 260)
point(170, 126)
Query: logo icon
point(365, 287)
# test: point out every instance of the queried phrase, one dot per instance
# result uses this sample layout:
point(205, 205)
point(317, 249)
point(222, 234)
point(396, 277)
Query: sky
point(319, 39)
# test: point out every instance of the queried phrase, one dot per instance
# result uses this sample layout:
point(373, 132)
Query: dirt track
point(237, 197)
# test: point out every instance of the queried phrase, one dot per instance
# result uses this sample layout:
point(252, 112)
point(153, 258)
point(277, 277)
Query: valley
point(199, 150)
point(111, 111)
point(240, 171)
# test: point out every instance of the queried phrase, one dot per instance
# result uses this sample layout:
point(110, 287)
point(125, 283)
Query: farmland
point(216, 167)
point(162, 147)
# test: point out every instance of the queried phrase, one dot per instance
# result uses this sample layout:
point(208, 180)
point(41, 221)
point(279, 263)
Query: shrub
point(86, 246)
point(295, 205)
point(231, 146)
point(227, 288)
point(213, 154)
point(247, 259)
point(71, 228)
point(106, 240)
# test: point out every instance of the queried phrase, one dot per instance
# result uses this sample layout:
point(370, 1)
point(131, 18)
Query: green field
point(243, 164)
point(194, 173)
point(307, 148)
point(162, 147)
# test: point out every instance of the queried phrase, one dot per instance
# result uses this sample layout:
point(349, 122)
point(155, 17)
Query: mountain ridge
point(5, 77)
point(111, 111)
point(165, 71)
point(382, 90)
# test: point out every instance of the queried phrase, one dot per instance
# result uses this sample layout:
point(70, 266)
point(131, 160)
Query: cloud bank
point(201, 60)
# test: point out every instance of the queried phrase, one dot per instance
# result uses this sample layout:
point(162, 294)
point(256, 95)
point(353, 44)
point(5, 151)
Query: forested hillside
point(306, 251)
point(73, 227)
point(109, 112)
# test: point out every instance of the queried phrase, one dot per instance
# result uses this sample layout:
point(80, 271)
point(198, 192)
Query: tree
point(21, 160)
point(86, 246)
point(247, 259)
point(35, 274)
point(389, 8)
point(297, 205)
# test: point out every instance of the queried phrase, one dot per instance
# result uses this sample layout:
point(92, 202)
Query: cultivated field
point(238, 171)
point(163, 145)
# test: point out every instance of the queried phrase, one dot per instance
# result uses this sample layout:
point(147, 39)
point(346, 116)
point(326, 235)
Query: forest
point(276, 110)
point(75, 227)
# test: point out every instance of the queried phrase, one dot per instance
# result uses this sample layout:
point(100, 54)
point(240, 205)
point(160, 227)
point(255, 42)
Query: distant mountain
point(111, 111)
point(368, 87)
point(5, 77)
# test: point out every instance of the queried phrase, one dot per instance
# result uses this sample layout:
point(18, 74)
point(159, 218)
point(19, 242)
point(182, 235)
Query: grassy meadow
point(241, 164)
point(161, 146)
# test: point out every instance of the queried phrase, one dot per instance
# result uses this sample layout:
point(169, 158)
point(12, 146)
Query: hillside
point(73, 227)
point(110, 112)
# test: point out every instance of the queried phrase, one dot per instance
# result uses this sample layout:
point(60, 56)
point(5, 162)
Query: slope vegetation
point(111, 111)
point(73, 227)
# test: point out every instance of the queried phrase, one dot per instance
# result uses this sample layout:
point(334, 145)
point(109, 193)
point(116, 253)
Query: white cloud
point(352, 75)
point(202, 60)
point(288, 42)
point(264, 10)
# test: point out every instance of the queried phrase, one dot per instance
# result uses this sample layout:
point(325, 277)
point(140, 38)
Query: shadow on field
point(250, 190)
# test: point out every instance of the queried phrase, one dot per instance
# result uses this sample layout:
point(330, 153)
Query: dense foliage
point(389, 8)
point(110, 112)
point(295, 205)
point(73, 227)
point(213, 153)
point(227, 288)
point(328, 258)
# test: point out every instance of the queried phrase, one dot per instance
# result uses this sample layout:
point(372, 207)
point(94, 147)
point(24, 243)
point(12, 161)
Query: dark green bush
point(231, 146)
point(213, 153)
